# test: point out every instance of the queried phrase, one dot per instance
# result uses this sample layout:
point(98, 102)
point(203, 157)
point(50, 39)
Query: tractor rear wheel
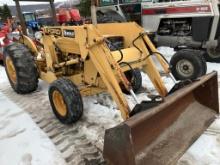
point(20, 68)
point(65, 100)
point(188, 64)
point(135, 78)
point(212, 55)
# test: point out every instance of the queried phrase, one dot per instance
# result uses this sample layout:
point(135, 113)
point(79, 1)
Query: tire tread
point(72, 98)
point(26, 69)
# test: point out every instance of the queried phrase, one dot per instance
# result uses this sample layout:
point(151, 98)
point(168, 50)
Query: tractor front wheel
point(65, 100)
point(188, 64)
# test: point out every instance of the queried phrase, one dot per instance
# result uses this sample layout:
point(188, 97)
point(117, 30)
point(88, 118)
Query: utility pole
point(21, 18)
point(93, 12)
point(53, 12)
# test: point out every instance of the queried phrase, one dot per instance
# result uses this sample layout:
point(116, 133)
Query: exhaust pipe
point(161, 135)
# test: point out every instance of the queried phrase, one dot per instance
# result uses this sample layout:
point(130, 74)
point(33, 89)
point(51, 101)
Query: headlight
point(38, 35)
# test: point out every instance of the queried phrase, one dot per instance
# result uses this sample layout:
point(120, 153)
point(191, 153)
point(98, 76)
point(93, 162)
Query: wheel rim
point(11, 69)
point(59, 103)
point(185, 68)
point(213, 53)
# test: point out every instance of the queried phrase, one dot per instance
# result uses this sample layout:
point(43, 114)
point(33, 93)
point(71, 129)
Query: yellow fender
point(29, 43)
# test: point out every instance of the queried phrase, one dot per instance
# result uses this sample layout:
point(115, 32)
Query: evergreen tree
point(1, 13)
point(5, 12)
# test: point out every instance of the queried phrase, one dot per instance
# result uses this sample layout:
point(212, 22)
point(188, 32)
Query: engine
point(175, 27)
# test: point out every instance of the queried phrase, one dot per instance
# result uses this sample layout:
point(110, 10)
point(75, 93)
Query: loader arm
point(135, 37)
point(109, 68)
point(153, 49)
point(154, 75)
point(98, 52)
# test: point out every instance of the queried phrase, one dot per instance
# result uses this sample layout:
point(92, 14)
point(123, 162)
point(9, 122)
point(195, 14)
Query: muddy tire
point(188, 64)
point(65, 100)
point(135, 78)
point(20, 68)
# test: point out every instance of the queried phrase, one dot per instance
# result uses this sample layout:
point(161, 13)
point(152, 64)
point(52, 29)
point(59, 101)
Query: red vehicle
point(5, 29)
point(69, 17)
point(6, 37)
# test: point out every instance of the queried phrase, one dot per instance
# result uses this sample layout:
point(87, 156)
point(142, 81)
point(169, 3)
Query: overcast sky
point(11, 2)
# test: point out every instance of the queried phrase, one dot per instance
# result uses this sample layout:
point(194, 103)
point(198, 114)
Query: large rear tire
point(20, 68)
point(65, 100)
point(188, 64)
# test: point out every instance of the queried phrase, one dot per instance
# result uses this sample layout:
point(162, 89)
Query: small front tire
point(188, 64)
point(65, 100)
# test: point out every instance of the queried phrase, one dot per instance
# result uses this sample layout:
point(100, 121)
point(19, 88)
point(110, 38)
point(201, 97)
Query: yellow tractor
point(86, 60)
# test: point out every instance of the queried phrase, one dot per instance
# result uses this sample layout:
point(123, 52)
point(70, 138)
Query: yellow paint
point(11, 70)
point(59, 103)
point(29, 43)
point(48, 76)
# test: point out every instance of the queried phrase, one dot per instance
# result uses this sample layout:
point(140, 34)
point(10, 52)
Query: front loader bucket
point(160, 135)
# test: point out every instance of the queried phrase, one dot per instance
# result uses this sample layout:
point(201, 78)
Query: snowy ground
point(22, 142)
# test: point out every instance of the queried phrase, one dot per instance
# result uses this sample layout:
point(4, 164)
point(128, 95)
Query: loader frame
point(101, 71)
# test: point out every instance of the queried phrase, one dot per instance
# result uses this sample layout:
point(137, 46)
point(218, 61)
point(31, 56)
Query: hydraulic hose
point(121, 53)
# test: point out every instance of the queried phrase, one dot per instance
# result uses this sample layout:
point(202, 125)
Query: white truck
point(178, 24)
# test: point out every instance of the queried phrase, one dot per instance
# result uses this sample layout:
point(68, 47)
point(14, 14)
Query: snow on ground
point(99, 109)
point(21, 141)
point(167, 52)
point(213, 66)
point(100, 112)
point(206, 150)
point(3, 78)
